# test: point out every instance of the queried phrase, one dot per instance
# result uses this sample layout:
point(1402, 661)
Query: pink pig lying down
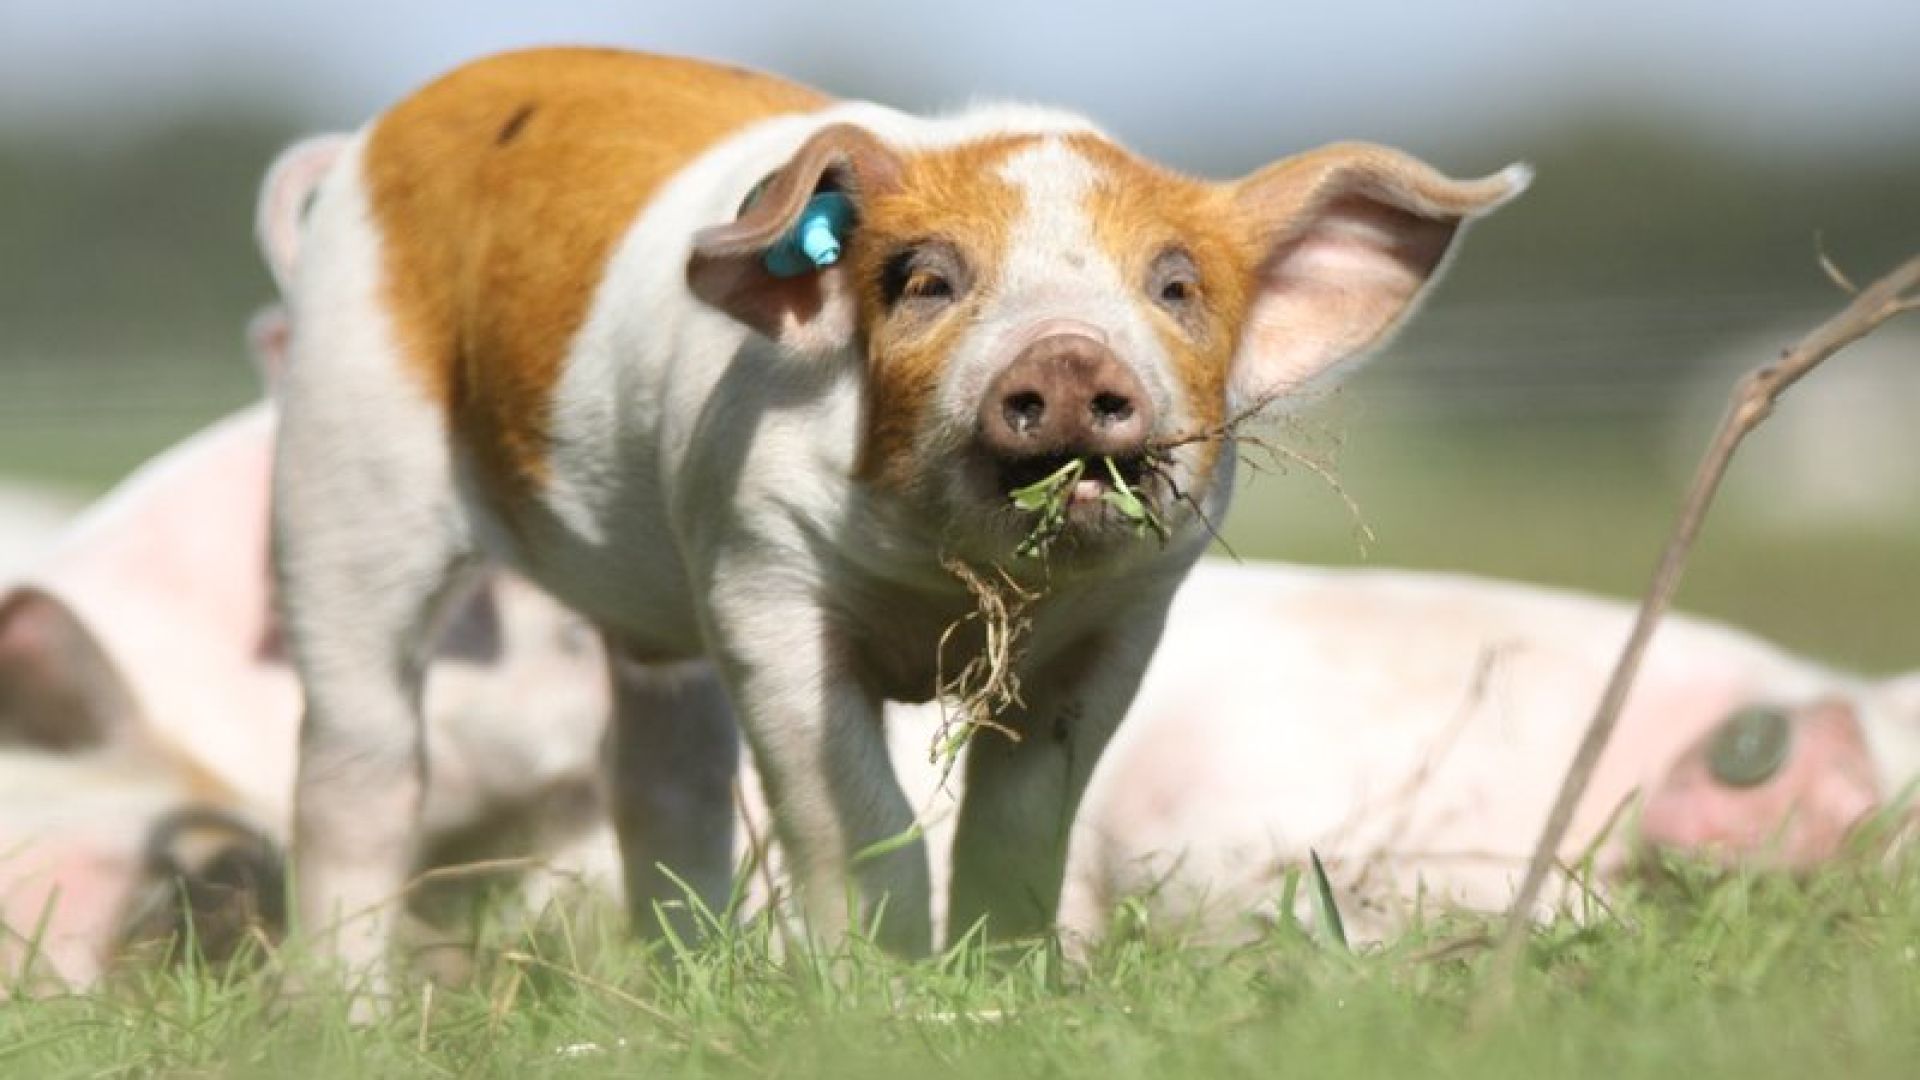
point(141, 676)
point(1414, 728)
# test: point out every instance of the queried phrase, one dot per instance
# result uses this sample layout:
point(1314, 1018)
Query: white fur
point(368, 535)
point(291, 180)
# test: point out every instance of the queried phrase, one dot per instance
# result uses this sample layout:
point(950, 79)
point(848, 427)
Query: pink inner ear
point(1333, 291)
point(812, 314)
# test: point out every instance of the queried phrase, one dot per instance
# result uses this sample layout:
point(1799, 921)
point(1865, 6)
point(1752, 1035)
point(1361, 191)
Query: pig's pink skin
point(29, 522)
point(170, 573)
point(1413, 728)
point(1796, 820)
point(71, 837)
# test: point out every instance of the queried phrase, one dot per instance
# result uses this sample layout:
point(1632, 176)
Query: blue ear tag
point(814, 241)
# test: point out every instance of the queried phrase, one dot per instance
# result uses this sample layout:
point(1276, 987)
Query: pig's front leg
point(821, 750)
point(1010, 847)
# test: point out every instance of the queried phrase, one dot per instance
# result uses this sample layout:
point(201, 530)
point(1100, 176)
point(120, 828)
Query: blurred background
point(1539, 420)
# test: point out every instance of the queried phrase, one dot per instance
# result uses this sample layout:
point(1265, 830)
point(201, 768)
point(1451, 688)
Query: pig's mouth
point(1060, 492)
point(1093, 480)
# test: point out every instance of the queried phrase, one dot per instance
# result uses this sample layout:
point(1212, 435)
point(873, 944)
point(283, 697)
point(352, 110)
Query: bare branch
point(1753, 400)
point(1320, 469)
point(1834, 273)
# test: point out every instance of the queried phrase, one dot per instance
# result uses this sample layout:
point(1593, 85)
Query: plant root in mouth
point(986, 686)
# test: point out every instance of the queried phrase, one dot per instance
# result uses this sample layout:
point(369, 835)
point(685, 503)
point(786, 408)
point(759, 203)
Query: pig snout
point(1769, 788)
point(1065, 395)
point(213, 878)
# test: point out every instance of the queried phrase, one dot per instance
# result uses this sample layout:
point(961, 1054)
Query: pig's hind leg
point(673, 753)
point(370, 543)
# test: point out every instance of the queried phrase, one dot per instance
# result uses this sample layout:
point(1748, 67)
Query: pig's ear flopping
point(811, 312)
point(1351, 234)
point(289, 187)
point(58, 689)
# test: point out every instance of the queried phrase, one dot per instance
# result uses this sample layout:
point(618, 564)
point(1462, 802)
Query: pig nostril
point(1024, 410)
point(1110, 408)
point(1750, 748)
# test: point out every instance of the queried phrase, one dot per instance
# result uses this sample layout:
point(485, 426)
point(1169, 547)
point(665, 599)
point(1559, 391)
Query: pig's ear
point(58, 689)
point(474, 632)
point(285, 194)
point(814, 312)
point(268, 336)
point(1347, 238)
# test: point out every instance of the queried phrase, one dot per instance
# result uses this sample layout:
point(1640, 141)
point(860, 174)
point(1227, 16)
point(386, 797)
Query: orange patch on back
point(500, 191)
point(956, 195)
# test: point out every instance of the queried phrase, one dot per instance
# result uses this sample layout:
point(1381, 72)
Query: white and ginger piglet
point(548, 314)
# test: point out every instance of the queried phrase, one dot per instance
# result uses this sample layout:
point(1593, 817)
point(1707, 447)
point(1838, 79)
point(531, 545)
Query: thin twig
point(1160, 450)
point(1225, 428)
point(1753, 400)
point(1158, 466)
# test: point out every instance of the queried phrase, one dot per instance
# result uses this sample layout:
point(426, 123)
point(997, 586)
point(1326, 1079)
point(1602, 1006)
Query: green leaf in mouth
point(1128, 504)
point(1050, 496)
point(1054, 487)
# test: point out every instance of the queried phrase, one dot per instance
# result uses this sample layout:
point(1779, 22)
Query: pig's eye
point(923, 277)
point(927, 285)
point(1174, 281)
point(1750, 746)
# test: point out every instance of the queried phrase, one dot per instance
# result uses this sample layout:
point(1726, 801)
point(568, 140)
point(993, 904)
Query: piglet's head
point(1768, 788)
point(1023, 302)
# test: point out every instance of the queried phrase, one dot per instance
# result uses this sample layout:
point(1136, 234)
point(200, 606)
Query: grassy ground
point(1751, 978)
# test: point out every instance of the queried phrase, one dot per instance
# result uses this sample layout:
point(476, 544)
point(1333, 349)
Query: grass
point(1750, 977)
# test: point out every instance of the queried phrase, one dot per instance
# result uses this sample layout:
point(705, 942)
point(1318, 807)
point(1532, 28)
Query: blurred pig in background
point(141, 677)
point(1413, 729)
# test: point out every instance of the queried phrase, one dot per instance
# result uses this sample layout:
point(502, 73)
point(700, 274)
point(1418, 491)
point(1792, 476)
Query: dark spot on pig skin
point(273, 646)
point(1064, 720)
point(511, 129)
point(474, 633)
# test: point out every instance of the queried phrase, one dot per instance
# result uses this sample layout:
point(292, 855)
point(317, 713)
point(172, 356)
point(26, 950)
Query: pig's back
point(500, 192)
point(1405, 724)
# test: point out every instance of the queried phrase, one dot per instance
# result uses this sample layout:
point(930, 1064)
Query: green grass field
point(1749, 978)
